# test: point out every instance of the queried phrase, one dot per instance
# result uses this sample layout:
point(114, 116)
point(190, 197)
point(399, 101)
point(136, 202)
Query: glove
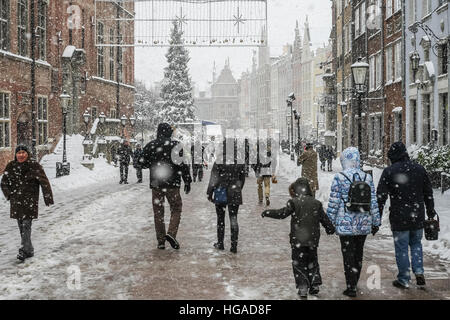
point(431, 214)
point(210, 198)
point(187, 188)
point(375, 230)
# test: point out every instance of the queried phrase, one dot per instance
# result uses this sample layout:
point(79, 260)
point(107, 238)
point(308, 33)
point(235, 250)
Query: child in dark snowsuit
point(306, 216)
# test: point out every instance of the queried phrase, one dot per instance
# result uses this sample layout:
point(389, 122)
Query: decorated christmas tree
point(176, 90)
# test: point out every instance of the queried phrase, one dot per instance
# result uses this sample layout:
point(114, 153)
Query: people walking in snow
point(264, 171)
point(20, 185)
point(138, 162)
point(410, 191)
point(306, 216)
point(308, 161)
point(198, 159)
point(166, 173)
point(330, 156)
point(322, 157)
point(353, 221)
point(225, 190)
point(124, 154)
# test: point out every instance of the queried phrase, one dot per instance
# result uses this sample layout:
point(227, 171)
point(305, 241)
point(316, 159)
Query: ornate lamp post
point(359, 71)
point(290, 100)
point(63, 168)
point(86, 118)
point(297, 117)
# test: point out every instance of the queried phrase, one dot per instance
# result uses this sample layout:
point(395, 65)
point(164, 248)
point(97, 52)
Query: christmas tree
point(176, 90)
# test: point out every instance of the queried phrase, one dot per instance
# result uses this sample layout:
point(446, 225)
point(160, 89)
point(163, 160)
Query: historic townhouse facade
point(66, 58)
point(427, 112)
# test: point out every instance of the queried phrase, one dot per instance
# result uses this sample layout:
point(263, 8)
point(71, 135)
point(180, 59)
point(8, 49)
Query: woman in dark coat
point(306, 216)
point(231, 179)
point(20, 185)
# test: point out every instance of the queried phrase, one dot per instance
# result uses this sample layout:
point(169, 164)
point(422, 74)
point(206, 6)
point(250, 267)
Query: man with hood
point(306, 216)
point(20, 185)
point(137, 162)
point(410, 191)
point(164, 157)
point(352, 227)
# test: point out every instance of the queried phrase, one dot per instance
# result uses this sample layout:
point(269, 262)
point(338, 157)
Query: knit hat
point(22, 147)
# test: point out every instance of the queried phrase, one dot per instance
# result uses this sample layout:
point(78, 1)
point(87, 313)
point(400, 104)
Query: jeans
point(25, 234)
point(352, 251)
point(233, 211)
point(139, 174)
point(306, 267)
point(403, 240)
point(197, 170)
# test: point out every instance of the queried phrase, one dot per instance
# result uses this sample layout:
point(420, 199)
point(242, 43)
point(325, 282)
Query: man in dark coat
point(197, 156)
point(124, 153)
point(308, 160)
point(323, 152)
point(138, 162)
point(410, 191)
point(167, 167)
point(306, 216)
point(20, 185)
point(330, 155)
point(231, 179)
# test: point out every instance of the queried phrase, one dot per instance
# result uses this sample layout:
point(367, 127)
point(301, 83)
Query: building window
point(380, 132)
point(42, 29)
point(372, 72)
point(398, 60)
point(389, 65)
point(43, 120)
point(426, 7)
point(111, 55)
point(388, 8)
point(100, 51)
point(398, 126)
point(4, 24)
point(412, 11)
point(445, 118)
point(120, 60)
point(426, 119)
point(413, 106)
point(5, 121)
point(378, 79)
point(22, 27)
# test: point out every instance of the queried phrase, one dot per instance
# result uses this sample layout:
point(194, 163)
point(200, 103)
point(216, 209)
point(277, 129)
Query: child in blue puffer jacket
point(352, 227)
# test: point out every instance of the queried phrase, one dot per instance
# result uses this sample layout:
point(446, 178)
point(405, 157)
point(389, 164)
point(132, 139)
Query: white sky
point(282, 15)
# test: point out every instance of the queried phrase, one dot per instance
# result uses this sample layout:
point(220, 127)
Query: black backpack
point(359, 195)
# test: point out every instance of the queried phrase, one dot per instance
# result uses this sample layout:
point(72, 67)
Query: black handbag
point(432, 229)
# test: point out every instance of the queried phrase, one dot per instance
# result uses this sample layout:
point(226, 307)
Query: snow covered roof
point(397, 110)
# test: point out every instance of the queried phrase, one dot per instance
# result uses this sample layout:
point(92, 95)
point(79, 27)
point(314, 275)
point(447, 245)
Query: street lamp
point(343, 108)
point(86, 118)
point(123, 121)
point(297, 117)
point(290, 100)
point(359, 71)
point(102, 118)
point(415, 60)
point(63, 169)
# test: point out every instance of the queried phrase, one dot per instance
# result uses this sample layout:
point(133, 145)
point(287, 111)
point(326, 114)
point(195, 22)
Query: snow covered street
point(106, 232)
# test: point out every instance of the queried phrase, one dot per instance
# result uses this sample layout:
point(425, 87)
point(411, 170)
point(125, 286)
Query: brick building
point(99, 79)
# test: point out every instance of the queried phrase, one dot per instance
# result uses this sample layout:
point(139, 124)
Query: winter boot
point(420, 280)
point(233, 248)
point(350, 292)
point(267, 201)
point(400, 285)
point(219, 246)
point(303, 292)
point(161, 246)
point(314, 290)
point(173, 242)
point(121, 181)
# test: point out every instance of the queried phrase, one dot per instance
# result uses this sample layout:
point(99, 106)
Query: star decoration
point(181, 19)
point(238, 19)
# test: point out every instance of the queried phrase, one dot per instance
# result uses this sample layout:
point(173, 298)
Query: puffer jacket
point(349, 223)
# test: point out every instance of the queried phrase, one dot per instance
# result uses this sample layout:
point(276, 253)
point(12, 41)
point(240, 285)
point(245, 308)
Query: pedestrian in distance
point(225, 190)
point(322, 157)
point(308, 161)
point(198, 159)
point(20, 185)
point(330, 156)
point(124, 154)
point(353, 210)
point(138, 160)
point(264, 171)
point(166, 173)
point(410, 191)
point(306, 216)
